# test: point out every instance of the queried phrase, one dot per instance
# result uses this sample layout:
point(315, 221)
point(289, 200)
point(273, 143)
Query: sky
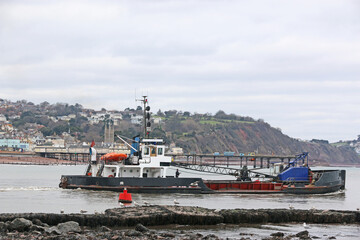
point(294, 64)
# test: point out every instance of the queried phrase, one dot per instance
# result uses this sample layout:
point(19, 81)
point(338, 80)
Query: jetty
point(116, 223)
point(156, 215)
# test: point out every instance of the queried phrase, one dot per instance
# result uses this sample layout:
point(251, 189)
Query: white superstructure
point(146, 160)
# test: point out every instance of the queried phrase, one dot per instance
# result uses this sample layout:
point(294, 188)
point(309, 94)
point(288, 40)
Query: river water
point(35, 189)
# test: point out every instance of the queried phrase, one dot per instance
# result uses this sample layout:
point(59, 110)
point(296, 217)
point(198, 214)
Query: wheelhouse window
point(146, 151)
point(153, 151)
point(160, 151)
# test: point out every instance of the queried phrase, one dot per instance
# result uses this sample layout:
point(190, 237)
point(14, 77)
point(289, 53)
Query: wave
point(28, 188)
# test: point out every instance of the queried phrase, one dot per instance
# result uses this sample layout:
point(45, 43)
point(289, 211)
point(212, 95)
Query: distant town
point(29, 127)
point(25, 126)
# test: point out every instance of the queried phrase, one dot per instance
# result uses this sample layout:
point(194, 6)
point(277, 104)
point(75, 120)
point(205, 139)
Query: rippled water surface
point(35, 189)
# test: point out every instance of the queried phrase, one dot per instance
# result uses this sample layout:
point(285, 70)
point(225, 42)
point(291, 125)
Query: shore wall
point(35, 160)
point(184, 215)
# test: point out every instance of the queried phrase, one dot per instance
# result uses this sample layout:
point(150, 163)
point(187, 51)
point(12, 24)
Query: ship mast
point(146, 117)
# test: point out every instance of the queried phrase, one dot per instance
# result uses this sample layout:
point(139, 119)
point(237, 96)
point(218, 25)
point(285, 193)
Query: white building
point(176, 150)
point(2, 118)
point(136, 119)
point(157, 120)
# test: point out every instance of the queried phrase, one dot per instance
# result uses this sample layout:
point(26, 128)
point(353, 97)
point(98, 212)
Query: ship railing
point(293, 181)
point(101, 169)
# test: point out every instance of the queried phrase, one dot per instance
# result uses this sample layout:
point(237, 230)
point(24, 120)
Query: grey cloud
point(292, 63)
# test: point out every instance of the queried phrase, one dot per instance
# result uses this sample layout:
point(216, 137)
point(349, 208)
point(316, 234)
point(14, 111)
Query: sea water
point(28, 188)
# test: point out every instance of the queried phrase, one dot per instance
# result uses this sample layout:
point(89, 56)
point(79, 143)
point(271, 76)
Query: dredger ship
point(145, 170)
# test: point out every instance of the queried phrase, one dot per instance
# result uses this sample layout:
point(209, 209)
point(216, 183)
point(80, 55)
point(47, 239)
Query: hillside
point(200, 133)
point(211, 134)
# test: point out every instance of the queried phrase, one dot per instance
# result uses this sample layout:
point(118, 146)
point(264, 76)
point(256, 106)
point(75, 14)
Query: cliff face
point(250, 136)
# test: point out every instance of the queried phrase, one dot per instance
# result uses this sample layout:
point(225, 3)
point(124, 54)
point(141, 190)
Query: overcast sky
point(295, 64)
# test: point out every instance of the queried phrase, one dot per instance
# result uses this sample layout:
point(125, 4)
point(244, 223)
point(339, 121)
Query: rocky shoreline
point(130, 222)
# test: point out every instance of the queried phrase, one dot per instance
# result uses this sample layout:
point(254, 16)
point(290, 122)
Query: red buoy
point(125, 197)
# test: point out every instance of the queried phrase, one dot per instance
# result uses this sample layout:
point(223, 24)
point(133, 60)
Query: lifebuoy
point(111, 175)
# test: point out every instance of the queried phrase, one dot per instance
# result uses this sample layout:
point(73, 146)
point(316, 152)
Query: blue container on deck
point(135, 145)
point(295, 174)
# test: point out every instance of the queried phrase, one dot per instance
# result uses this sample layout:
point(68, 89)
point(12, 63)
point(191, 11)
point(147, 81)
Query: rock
point(53, 230)
point(332, 237)
point(303, 234)
point(36, 228)
point(3, 227)
point(199, 235)
point(36, 232)
point(167, 235)
point(20, 224)
point(141, 228)
point(277, 234)
point(210, 237)
point(133, 233)
point(79, 237)
point(104, 229)
point(115, 237)
point(37, 221)
point(70, 226)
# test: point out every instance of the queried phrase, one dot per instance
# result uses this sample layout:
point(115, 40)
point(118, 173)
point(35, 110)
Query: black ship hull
point(329, 181)
point(135, 185)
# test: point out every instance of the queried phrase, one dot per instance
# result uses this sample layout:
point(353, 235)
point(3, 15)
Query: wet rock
point(3, 227)
point(167, 235)
point(37, 228)
point(38, 222)
point(70, 226)
point(303, 235)
point(78, 237)
point(211, 237)
point(104, 229)
point(133, 233)
point(277, 234)
point(20, 224)
point(53, 230)
point(141, 228)
point(115, 237)
point(199, 235)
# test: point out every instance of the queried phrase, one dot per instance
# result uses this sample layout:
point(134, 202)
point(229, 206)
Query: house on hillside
point(64, 118)
point(55, 141)
point(157, 120)
point(136, 119)
point(13, 144)
point(38, 139)
point(116, 117)
point(96, 118)
point(2, 118)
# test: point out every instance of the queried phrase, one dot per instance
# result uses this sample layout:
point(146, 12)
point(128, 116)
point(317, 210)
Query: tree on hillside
point(186, 114)
point(46, 131)
point(220, 114)
point(60, 129)
point(170, 113)
point(160, 113)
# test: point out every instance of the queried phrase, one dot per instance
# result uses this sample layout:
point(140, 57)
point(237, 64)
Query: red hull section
point(222, 186)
